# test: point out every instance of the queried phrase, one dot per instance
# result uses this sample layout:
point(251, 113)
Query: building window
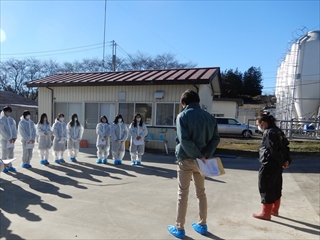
point(166, 114)
point(128, 110)
point(68, 109)
point(93, 112)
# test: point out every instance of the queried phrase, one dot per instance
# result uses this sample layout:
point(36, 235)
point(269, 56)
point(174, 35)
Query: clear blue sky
point(225, 34)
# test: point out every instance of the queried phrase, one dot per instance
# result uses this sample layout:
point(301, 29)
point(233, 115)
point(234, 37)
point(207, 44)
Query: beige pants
point(187, 170)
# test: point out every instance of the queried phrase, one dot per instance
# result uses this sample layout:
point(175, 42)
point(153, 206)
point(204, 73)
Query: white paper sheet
point(138, 142)
point(10, 145)
point(7, 161)
point(29, 145)
point(102, 141)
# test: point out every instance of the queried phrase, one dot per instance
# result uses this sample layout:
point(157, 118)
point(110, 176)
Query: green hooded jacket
point(197, 133)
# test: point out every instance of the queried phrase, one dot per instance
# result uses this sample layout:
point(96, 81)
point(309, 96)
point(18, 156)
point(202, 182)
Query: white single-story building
point(155, 94)
point(226, 107)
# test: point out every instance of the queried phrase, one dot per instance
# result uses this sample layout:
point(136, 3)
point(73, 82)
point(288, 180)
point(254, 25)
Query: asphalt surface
point(86, 200)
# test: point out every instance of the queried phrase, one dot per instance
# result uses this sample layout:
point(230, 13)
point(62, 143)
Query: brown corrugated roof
point(143, 77)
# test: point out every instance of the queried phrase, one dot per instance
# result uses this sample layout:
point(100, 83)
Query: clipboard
point(213, 167)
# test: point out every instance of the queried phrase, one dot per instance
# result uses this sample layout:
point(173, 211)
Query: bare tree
point(14, 74)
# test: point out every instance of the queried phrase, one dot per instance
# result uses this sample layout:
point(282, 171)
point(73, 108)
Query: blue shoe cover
point(62, 160)
point(26, 165)
point(133, 163)
point(202, 229)
point(119, 162)
point(99, 161)
point(6, 169)
point(73, 160)
point(138, 163)
point(12, 169)
point(105, 161)
point(42, 161)
point(46, 162)
point(115, 162)
point(176, 232)
point(57, 161)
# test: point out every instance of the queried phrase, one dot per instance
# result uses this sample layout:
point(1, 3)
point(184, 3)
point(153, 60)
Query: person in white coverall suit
point(44, 138)
point(59, 138)
point(138, 132)
point(119, 133)
point(74, 135)
point(103, 140)
point(27, 131)
point(8, 136)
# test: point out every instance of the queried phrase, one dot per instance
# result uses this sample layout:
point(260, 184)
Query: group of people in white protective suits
point(68, 135)
point(43, 133)
point(119, 132)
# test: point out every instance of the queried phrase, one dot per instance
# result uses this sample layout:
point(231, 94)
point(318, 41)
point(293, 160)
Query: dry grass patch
point(250, 147)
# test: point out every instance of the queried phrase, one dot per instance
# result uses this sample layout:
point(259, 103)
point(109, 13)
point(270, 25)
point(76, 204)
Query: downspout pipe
point(52, 105)
point(196, 88)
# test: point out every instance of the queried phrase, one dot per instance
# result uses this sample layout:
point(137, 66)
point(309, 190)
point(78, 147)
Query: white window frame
point(174, 111)
point(68, 114)
point(110, 120)
point(134, 111)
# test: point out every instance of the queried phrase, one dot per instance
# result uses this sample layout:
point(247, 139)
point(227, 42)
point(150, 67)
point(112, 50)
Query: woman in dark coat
point(274, 156)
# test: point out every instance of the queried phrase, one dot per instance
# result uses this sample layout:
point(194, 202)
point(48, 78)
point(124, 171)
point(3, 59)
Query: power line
point(46, 55)
point(57, 50)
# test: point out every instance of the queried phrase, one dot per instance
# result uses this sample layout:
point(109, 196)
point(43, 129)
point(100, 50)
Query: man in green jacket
point(197, 137)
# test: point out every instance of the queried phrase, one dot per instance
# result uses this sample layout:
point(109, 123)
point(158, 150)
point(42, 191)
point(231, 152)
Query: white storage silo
point(307, 84)
point(298, 80)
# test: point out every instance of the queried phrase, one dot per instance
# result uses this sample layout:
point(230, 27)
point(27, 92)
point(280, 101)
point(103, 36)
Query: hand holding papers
point(10, 144)
point(30, 145)
point(102, 141)
point(212, 167)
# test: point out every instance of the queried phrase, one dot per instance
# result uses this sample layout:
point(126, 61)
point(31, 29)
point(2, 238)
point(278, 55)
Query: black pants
point(270, 183)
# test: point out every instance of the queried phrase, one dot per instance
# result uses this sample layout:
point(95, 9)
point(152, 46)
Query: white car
point(233, 126)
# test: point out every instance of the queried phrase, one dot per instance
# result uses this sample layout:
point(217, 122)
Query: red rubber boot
point(275, 208)
point(266, 212)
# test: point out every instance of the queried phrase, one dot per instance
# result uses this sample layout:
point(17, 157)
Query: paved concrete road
point(85, 200)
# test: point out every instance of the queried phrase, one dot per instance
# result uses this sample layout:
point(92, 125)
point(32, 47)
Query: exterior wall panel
point(141, 93)
point(229, 109)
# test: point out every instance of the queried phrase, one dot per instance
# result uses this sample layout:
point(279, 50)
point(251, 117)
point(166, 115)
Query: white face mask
point(75, 119)
point(260, 129)
point(119, 120)
point(61, 119)
point(138, 119)
point(28, 117)
point(104, 121)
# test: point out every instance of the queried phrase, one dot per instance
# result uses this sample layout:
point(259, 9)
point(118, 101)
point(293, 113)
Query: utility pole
point(104, 33)
point(114, 52)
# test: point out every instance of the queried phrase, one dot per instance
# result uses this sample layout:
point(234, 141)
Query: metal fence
point(297, 129)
